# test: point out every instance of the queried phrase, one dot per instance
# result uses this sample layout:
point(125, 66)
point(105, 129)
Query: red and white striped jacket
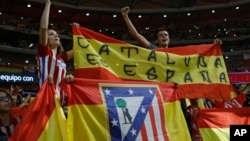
point(51, 64)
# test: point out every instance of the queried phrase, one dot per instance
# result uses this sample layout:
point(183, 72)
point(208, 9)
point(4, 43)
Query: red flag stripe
point(223, 117)
point(144, 135)
point(204, 90)
point(203, 49)
point(89, 34)
point(152, 117)
point(93, 83)
point(95, 73)
point(163, 120)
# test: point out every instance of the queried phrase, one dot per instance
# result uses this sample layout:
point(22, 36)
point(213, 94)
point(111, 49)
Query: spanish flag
point(44, 120)
point(199, 70)
point(214, 124)
point(105, 110)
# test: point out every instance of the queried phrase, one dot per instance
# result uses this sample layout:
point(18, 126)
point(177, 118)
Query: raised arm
point(44, 23)
point(141, 39)
point(70, 54)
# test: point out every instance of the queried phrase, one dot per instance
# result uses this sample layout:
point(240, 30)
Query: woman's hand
point(50, 79)
point(69, 78)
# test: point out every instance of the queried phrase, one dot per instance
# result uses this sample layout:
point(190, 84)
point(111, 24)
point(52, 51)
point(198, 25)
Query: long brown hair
point(60, 49)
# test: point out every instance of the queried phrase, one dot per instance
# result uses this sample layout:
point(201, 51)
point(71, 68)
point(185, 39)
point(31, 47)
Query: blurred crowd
point(12, 26)
point(177, 31)
point(17, 33)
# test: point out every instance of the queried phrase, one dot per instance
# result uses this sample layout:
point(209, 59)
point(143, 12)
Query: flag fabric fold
point(44, 120)
point(214, 124)
point(108, 110)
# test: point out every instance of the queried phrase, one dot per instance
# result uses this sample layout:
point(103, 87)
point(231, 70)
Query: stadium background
point(188, 22)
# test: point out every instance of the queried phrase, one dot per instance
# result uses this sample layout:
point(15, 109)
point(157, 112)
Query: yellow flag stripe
point(215, 134)
point(175, 122)
point(87, 122)
point(55, 129)
point(133, 62)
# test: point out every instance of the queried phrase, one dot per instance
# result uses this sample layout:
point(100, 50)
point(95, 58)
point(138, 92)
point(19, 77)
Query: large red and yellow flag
point(214, 124)
point(105, 110)
point(199, 69)
point(44, 120)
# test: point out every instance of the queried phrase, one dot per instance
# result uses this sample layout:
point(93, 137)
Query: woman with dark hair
point(9, 116)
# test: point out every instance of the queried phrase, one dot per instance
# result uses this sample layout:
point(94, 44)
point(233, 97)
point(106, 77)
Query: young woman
point(50, 54)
